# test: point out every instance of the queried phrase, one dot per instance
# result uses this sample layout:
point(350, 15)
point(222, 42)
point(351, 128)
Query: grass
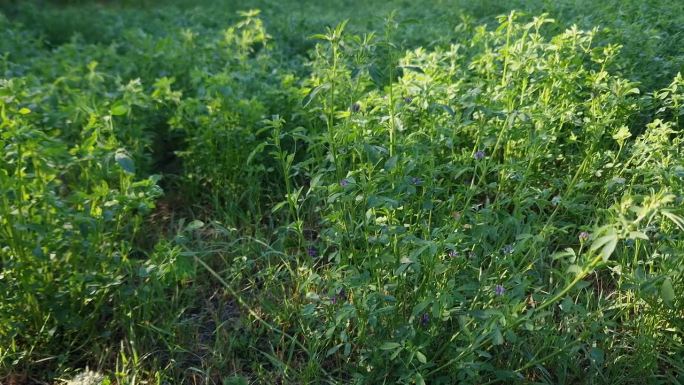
point(341, 192)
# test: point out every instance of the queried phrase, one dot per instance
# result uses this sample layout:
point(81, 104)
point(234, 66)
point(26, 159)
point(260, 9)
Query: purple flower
point(556, 200)
point(356, 107)
point(583, 236)
point(499, 290)
point(508, 249)
point(344, 182)
point(408, 99)
point(479, 155)
point(312, 252)
point(425, 320)
point(453, 253)
point(416, 181)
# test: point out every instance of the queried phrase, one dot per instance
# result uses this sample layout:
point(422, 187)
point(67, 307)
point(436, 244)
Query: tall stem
point(331, 110)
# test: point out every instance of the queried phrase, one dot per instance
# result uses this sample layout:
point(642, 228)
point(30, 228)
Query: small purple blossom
point(416, 181)
point(499, 290)
point(344, 182)
point(425, 320)
point(312, 251)
point(583, 236)
point(408, 99)
point(453, 253)
point(356, 107)
point(556, 200)
point(479, 155)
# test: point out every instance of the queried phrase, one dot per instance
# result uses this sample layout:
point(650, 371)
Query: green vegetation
point(376, 192)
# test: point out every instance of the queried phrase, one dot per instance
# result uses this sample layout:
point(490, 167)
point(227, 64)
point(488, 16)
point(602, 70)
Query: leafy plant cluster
point(473, 202)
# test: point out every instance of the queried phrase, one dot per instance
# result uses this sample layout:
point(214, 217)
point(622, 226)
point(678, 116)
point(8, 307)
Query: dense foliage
point(430, 192)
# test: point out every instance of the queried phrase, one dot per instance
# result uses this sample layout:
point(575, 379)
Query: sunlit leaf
point(125, 162)
point(389, 345)
point(667, 291)
point(119, 109)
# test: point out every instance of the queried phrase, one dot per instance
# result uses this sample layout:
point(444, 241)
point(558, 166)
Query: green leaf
point(608, 248)
point(258, 149)
point(622, 134)
point(679, 171)
point(414, 69)
point(607, 244)
point(389, 345)
point(446, 108)
point(406, 260)
point(667, 291)
point(420, 306)
point(638, 235)
point(308, 310)
point(24, 111)
point(319, 36)
point(376, 75)
point(421, 357)
point(597, 356)
point(391, 163)
point(411, 20)
point(125, 162)
point(278, 206)
point(676, 219)
point(312, 94)
point(497, 337)
point(333, 350)
point(417, 253)
point(119, 108)
point(234, 380)
point(568, 252)
point(194, 225)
